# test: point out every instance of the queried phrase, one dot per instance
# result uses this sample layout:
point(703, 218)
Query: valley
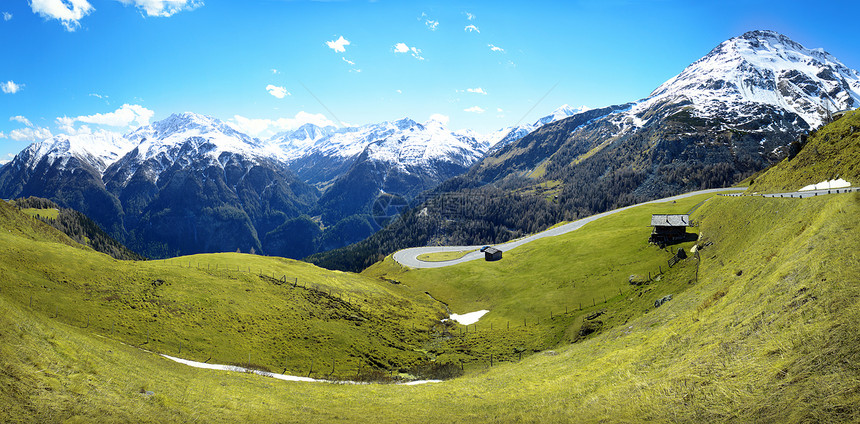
point(690, 256)
point(772, 302)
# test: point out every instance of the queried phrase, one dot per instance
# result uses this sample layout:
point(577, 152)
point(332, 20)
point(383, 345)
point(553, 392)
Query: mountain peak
point(187, 122)
point(99, 149)
point(766, 68)
point(404, 123)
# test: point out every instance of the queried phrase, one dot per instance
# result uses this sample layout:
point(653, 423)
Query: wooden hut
point(669, 228)
point(492, 254)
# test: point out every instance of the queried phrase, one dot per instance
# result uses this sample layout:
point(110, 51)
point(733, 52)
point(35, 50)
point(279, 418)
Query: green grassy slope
point(51, 213)
point(75, 225)
point(214, 307)
point(770, 333)
point(831, 152)
point(540, 293)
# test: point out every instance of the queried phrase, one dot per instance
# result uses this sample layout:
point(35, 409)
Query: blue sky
point(267, 65)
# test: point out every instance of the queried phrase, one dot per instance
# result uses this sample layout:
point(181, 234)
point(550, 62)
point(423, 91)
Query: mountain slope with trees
point(727, 116)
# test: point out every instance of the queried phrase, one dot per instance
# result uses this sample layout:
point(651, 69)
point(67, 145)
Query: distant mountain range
point(191, 183)
point(726, 116)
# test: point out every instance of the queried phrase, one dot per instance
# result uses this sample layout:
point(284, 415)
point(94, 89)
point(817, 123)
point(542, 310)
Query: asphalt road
point(409, 257)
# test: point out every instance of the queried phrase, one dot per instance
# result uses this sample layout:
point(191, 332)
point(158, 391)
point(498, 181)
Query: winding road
point(409, 257)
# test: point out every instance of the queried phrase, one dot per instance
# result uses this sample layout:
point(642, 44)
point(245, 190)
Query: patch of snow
point(284, 377)
point(827, 185)
point(417, 382)
point(470, 318)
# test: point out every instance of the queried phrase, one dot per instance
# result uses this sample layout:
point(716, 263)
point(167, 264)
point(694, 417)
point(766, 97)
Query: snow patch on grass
point(827, 185)
point(284, 377)
point(470, 318)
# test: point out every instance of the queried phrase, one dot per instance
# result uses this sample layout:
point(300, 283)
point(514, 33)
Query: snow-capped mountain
point(212, 134)
point(192, 183)
point(401, 144)
point(724, 117)
point(420, 145)
point(68, 169)
point(501, 138)
point(97, 150)
point(760, 69)
point(187, 140)
point(296, 143)
point(319, 155)
point(196, 184)
point(394, 159)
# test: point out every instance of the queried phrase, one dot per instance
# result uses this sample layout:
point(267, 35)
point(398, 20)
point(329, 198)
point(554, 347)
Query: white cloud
point(474, 109)
point(348, 61)
point(399, 91)
point(403, 48)
point(472, 28)
point(100, 96)
point(495, 48)
point(163, 8)
point(22, 120)
point(478, 90)
point(9, 87)
point(275, 71)
point(431, 24)
point(470, 16)
point(498, 109)
point(279, 92)
point(438, 117)
point(30, 134)
point(67, 126)
point(122, 117)
point(68, 12)
point(269, 127)
point(7, 16)
point(338, 45)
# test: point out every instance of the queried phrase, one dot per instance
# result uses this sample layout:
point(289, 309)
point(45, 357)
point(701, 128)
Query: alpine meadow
point(326, 212)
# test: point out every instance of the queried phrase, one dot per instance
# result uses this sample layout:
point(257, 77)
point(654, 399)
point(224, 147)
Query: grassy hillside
point(75, 225)
point(829, 153)
point(555, 290)
point(273, 313)
point(769, 333)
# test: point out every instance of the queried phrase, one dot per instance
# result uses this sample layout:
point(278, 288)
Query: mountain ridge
point(188, 175)
point(692, 133)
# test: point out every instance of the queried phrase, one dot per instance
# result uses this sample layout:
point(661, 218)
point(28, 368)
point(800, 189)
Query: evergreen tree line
point(79, 228)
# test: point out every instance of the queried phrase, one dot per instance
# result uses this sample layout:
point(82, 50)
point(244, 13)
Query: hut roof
point(670, 220)
point(491, 250)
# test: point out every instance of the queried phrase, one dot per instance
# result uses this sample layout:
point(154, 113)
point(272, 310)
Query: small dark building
point(492, 254)
point(669, 228)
